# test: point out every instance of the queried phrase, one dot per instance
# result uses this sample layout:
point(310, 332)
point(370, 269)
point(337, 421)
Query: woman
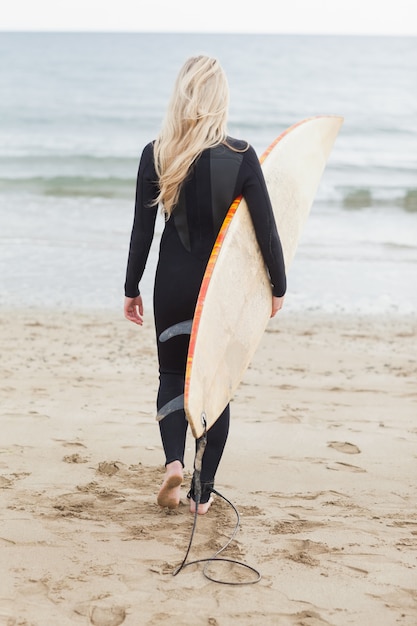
point(194, 171)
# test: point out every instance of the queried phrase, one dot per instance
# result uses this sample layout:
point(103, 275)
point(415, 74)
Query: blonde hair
point(196, 120)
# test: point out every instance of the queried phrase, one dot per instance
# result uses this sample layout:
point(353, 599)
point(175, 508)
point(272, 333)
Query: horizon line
point(89, 31)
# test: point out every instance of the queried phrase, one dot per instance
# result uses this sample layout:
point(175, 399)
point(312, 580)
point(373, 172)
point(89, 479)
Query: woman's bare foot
point(169, 493)
point(202, 508)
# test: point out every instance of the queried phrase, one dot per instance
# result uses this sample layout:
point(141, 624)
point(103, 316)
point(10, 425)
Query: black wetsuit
point(218, 176)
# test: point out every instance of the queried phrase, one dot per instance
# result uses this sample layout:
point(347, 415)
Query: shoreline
point(320, 463)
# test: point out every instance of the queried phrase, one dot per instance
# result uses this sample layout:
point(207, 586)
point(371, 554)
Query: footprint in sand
point(107, 616)
point(75, 458)
point(344, 446)
point(108, 468)
point(308, 618)
point(348, 467)
point(5, 483)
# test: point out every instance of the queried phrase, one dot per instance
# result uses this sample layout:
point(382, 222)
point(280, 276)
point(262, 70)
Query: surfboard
point(234, 303)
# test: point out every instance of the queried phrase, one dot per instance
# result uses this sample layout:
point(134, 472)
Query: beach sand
point(321, 463)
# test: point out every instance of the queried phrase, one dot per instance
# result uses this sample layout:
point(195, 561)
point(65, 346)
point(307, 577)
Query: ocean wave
point(51, 162)
point(364, 197)
point(122, 185)
point(71, 186)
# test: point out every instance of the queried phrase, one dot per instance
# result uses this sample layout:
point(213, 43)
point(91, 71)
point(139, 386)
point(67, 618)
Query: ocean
point(76, 110)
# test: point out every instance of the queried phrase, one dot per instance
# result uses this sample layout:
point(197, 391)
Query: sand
point(321, 463)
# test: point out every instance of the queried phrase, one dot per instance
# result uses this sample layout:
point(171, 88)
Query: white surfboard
point(234, 303)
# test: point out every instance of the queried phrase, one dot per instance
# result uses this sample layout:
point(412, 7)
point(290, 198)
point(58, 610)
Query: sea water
point(77, 109)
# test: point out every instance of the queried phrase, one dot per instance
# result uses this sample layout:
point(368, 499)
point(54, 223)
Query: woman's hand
point(277, 304)
point(133, 310)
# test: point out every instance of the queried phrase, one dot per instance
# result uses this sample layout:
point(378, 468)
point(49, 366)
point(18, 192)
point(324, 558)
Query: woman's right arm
point(257, 198)
point(143, 223)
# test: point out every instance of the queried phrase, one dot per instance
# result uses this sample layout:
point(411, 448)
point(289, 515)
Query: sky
point(352, 17)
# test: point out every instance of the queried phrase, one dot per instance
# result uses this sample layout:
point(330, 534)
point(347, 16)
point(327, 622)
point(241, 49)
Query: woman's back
point(205, 197)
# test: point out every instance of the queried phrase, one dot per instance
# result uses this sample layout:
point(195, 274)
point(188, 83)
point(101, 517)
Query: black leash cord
point(215, 558)
point(201, 446)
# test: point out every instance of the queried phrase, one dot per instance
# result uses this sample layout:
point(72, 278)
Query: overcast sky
point(392, 17)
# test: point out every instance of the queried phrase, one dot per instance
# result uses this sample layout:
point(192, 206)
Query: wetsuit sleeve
point(143, 223)
point(257, 198)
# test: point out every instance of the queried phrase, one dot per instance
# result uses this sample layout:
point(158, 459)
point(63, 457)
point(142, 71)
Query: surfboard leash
point(198, 460)
point(201, 446)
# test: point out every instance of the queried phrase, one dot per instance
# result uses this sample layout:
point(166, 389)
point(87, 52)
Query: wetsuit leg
point(173, 427)
point(216, 441)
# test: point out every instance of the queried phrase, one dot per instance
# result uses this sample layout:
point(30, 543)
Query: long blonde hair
point(196, 119)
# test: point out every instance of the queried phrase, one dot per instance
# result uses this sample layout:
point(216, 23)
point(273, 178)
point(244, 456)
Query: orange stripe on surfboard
point(204, 286)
